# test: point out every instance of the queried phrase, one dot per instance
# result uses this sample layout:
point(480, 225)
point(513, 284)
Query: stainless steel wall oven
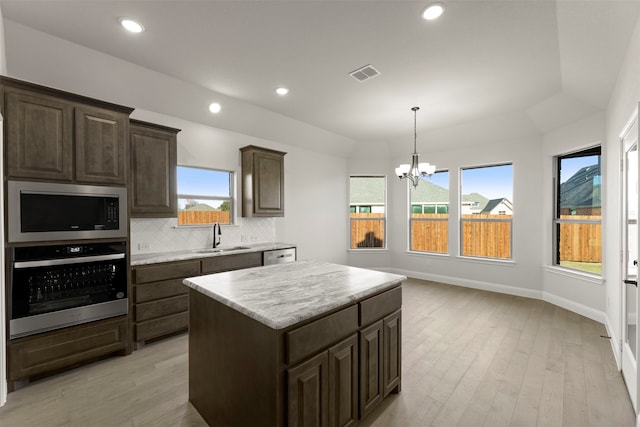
point(57, 286)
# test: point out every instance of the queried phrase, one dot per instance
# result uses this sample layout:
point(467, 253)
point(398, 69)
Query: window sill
point(368, 250)
point(488, 261)
point(428, 254)
point(567, 272)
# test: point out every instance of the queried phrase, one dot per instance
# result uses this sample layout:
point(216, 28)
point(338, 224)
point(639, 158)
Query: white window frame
point(384, 218)
point(231, 198)
point(462, 220)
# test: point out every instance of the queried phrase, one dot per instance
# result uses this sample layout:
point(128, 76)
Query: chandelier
point(416, 170)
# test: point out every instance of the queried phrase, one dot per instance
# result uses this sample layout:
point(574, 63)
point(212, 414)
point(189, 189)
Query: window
point(486, 211)
point(428, 223)
point(204, 196)
point(367, 210)
point(578, 203)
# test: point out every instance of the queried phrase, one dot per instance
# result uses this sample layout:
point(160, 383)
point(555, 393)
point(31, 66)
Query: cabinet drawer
point(158, 290)
point(65, 347)
point(172, 270)
point(162, 326)
point(376, 307)
point(218, 264)
point(315, 336)
point(162, 307)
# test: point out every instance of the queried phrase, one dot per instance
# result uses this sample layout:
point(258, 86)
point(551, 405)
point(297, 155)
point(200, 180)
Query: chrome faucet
point(216, 234)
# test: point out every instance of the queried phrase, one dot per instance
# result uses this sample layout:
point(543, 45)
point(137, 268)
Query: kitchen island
point(298, 344)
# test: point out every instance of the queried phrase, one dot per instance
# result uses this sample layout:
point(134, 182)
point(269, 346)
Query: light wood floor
point(470, 358)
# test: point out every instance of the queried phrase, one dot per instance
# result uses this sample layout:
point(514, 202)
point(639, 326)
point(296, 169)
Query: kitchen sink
point(215, 250)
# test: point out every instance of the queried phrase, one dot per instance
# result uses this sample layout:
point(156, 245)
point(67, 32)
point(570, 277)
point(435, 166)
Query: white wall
point(624, 101)
point(575, 292)
point(522, 276)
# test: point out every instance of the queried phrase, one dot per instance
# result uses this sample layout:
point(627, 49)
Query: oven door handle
point(66, 261)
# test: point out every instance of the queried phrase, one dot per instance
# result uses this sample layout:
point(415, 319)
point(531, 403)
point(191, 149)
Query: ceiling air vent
point(364, 73)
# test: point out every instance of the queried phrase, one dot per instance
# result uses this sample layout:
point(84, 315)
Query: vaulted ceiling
point(541, 63)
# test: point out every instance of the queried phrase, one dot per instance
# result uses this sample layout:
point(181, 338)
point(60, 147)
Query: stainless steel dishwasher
point(279, 256)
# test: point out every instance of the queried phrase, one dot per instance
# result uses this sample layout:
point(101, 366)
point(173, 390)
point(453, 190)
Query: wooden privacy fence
point(203, 217)
point(490, 238)
point(580, 242)
point(367, 230)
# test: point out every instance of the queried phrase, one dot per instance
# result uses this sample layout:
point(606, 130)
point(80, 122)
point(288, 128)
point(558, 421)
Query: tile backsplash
point(163, 234)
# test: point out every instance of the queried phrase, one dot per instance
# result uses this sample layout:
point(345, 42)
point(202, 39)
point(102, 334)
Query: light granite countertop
point(283, 295)
point(158, 257)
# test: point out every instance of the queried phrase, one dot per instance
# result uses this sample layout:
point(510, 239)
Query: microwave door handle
point(66, 261)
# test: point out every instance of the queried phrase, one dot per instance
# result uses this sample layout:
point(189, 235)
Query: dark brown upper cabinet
point(262, 182)
point(153, 186)
point(53, 135)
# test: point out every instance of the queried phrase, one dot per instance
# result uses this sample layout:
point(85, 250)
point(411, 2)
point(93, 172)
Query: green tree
point(225, 206)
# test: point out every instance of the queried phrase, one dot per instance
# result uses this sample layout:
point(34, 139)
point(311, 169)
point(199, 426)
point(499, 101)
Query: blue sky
point(572, 165)
point(203, 182)
point(492, 182)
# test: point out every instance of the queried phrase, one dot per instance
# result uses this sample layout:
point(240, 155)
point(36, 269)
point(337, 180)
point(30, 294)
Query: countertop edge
point(162, 257)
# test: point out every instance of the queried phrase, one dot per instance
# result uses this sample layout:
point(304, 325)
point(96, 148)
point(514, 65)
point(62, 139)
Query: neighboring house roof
point(199, 207)
point(494, 203)
point(475, 197)
point(582, 189)
point(364, 190)
point(428, 192)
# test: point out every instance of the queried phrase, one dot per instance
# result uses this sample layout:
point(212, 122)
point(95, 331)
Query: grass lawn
point(589, 267)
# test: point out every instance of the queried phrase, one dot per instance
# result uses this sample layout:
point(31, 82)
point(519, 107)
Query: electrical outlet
point(145, 246)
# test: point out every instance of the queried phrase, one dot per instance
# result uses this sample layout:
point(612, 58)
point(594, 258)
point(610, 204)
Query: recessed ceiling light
point(282, 91)
point(433, 11)
point(131, 25)
point(215, 108)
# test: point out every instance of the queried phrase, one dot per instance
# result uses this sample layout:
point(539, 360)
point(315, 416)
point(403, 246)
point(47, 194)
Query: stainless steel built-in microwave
point(40, 211)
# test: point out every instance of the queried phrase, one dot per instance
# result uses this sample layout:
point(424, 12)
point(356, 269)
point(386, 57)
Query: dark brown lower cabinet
point(309, 393)
point(392, 353)
point(380, 361)
point(343, 383)
point(45, 353)
point(370, 368)
point(323, 391)
point(327, 372)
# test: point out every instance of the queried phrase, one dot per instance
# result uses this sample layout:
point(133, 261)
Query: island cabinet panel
point(343, 383)
point(371, 354)
point(218, 264)
point(392, 353)
point(317, 335)
point(101, 145)
point(309, 393)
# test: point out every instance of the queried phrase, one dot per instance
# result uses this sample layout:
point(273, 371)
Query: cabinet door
point(262, 182)
point(101, 138)
point(343, 383)
point(39, 132)
point(153, 173)
point(392, 352)
point(269, 184)
point(308, 393)
point(371, 354)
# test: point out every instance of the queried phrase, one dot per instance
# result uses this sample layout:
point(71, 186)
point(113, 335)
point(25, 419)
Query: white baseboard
point(567, 304)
